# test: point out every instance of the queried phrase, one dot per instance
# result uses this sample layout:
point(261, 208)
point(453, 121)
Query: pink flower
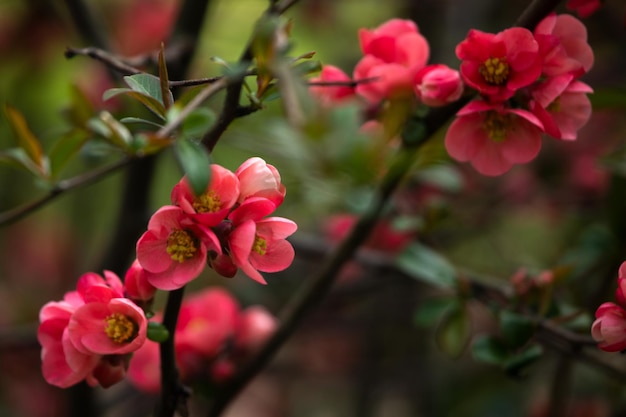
point(136, 284)
point(584, 8)
point(563, 45)
point(173, 251)
point(609, 329)
point(255, 326)
point(331, 94)
point(212, 206)
point(493, 138)
point(207, 322)
point(260, 179)
point(393, 53)
point(438, 85)
point(620, 294)
point(261, 246)
point(89, 334)
point(562, 106)
point(498, 65)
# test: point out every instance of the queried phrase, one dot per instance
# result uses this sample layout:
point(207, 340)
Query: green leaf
point(516, 328)
point(148, 85)
point(195, 163)
point(198, 122)
point(454, 331)
point(140, 120)
point(489, 349)
point(154, 105)
point(65, 148)
point(157, 332)
point(307, 67)
point(27, 141)
point(422, 263)
point(516, 364)
point(431, 310)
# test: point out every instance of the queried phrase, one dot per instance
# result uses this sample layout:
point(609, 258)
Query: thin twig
point(88, 178)
point(108, 59)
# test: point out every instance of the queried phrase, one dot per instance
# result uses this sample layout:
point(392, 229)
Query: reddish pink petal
point(152, 253)
point(254, 208)
point(279, 256)
point(465, 137)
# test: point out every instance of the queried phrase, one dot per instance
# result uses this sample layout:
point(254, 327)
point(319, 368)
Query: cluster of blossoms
point(609, 328)
point(393, 67)
point(528, 83)
point(212, 336)
point(225, 226)
point(92, 333)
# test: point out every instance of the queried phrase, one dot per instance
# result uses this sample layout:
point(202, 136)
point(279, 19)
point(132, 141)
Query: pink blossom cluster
point(91, 333)
point(393, 66)
point(528, 85)
point(212, 336)
point(225, 227)
point(609, 328)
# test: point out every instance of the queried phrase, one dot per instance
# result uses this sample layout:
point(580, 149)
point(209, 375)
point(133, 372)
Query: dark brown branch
point(111, 61)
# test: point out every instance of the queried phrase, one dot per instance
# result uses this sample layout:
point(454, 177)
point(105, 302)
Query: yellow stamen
point(495, 71)
point(181, 245)
point(260, 245)
point(497, 125)
point(120, 328)
point(208, 202)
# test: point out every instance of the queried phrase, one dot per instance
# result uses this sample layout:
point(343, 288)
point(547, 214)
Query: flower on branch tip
point(562, 105)
point(438, 85)
point(214, 204)
point(173, 251)
point(497, 65)
point(393, 53)
point(493, 137)
point(136, 285)
point(90, 333)
point(609, 328)
point(261, 246)
point(563, 45)
point(260, 179)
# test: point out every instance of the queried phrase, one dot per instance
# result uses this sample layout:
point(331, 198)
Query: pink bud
point(136, 284)
point(256, 325)
point(609, 329)
point(437, 85)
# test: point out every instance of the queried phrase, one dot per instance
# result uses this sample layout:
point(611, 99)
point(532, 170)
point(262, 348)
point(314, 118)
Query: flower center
point(495, 71)
point(181, 245)
point(496, 125)
point(208, 202)
point(260, 245)
point(120, 328)
point(555, 106)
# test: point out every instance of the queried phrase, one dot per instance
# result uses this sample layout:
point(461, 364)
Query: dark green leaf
point(431, 310)
point(490, 350)
point(424, 264)
point(195, 163)
point(516, 328)
point(157, 332)
point(140, 120)
point(517, 363)
point(307, 67)
point(454, 331)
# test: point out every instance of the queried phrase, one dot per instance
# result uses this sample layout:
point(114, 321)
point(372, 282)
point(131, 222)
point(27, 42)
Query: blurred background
point(381, 344)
